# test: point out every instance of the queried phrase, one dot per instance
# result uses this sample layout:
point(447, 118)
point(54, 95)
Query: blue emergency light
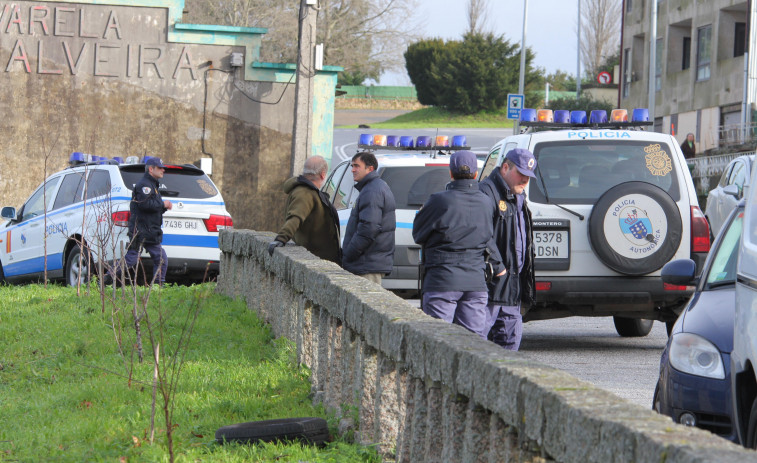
point(392, 140)
point(77, 157)
point(118, 159)
point(640, 114)
point(406, 141)
point(578, 117)
point(459, 140)
point(423, 141)
point(598, 116)
point(366, 139)
point(562, 116)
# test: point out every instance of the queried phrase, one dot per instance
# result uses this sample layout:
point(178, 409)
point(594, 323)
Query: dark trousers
point(159, 261)
point(506, 325)
point(465, 308)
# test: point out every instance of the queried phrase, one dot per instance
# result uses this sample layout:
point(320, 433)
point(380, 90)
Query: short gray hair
point(315, 166)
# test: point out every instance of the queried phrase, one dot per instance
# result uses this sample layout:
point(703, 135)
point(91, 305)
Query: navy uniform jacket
point(369, 237)
point(146, 213)
point(455, 227)
point(512, 288)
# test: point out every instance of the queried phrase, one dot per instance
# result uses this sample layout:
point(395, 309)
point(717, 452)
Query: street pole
point(302, 132)
point(652, 57)
point(522, 76)
point(578, 53)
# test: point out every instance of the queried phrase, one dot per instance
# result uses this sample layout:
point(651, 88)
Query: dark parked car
point(694, 388)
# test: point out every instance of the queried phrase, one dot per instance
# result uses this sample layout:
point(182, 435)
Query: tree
point(600, 32)
point(478, 14)
point(585, 103)
point(477, 74)
point(561, 81)
point(365, 37)
point(419, 57)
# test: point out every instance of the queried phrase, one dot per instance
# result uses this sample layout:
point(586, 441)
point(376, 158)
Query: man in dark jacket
point(146, 219)
point(514, 237)
point(368, 248)
point(454, 228)
point(311, 220)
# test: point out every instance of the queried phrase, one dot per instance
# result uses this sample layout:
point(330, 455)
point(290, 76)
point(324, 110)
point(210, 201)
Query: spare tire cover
point(635, 228)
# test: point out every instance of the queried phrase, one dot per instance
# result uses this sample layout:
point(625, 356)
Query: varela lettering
point(67, 40)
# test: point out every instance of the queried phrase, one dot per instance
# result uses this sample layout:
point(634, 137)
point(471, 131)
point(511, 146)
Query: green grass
point(437, 117)
point(66, 394)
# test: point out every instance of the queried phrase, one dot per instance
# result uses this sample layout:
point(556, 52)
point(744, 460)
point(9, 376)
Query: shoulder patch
point(146, 190)
point(502, 205)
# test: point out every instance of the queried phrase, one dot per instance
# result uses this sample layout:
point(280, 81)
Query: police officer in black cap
point(455, 229)
point(514, 236)
point(146, 219)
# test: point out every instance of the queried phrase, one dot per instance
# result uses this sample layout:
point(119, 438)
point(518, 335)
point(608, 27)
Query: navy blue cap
point(155, 162)
point(463, 162)
point(523, 159)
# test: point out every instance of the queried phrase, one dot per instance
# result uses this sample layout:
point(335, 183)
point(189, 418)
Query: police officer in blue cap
point(513, 234)
point(146, 219)
point(454, 228)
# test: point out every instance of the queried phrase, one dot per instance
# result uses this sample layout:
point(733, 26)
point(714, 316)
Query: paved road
point(590, 349)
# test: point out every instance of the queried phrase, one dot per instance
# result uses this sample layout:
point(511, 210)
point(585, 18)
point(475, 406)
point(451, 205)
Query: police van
point(611, 204)
point(79, 216)
point(414, 168)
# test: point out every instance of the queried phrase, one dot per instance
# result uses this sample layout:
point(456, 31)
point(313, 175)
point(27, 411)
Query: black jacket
point(454, 228)
point(146, 213)
point(369, 238)
point(512, 288)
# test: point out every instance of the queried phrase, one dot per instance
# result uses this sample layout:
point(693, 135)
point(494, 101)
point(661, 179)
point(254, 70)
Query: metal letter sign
point(514, 105)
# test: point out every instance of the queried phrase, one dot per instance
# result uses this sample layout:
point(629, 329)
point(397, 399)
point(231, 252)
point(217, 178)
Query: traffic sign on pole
point(514, 105)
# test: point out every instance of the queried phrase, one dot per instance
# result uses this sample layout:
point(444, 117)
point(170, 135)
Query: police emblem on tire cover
point(635, 226)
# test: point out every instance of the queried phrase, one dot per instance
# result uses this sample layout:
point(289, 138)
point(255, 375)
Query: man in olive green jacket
point(311, 219)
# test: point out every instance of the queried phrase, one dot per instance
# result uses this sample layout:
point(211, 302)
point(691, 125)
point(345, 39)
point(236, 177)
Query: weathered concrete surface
point(429, 391)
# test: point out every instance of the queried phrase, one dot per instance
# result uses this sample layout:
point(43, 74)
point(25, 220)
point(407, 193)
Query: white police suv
point(79, 216)
point(611, 204)
point(414, 168)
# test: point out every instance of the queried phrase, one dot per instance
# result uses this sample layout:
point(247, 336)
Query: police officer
point(455, 229)
point(513, 234)
point(146, 219)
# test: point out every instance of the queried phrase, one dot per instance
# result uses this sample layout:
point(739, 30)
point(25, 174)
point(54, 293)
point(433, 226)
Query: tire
point(74, 268)
point(306, 430)
point(635, 228)
point(751, 435)
point(656, 403)
point(632, 327)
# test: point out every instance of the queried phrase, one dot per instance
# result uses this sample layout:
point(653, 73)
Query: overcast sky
point(550, 29)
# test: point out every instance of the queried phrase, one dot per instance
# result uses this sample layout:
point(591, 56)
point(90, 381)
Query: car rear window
point(176, 182)
point(580, 172)
point(412, 185)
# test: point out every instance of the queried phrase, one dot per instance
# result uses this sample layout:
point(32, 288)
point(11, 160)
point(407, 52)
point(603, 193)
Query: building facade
point(129, 77)
point(703, 76)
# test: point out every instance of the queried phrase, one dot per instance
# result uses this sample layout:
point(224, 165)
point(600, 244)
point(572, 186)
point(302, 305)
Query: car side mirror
point(680, 272)
point(8, 213)
point(732, 190)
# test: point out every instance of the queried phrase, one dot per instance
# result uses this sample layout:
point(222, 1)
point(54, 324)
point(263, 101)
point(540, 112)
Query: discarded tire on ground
point(307, 430)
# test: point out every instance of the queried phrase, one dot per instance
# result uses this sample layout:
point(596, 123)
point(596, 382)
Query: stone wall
point(427, 391)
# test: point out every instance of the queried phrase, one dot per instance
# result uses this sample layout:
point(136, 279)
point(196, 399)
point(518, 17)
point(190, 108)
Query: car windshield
point(579, 172)
point(176, 182)
point(723, 268)
point(412, 185)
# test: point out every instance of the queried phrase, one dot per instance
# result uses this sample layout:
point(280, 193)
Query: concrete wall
point(427, 391)
point(124, 77)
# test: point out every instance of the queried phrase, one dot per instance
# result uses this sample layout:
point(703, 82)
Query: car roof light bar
point(369, 142)
point(546, 119)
